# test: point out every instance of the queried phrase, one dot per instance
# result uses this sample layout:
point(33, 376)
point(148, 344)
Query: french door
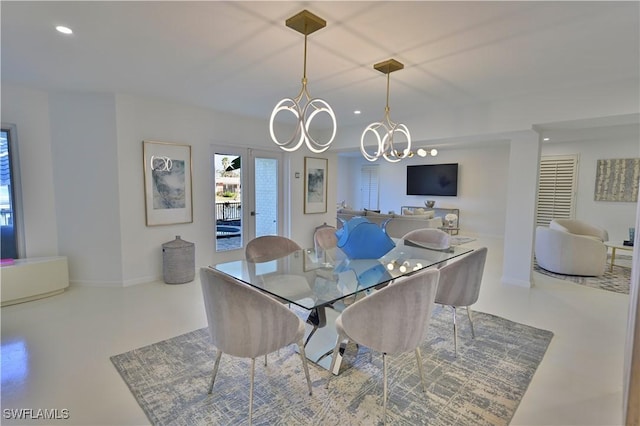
point(248, 196)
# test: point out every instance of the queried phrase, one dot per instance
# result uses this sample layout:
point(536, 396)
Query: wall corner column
point(519, 232)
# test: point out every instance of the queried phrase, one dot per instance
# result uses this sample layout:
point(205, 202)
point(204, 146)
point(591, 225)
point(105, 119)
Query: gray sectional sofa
point(399, 225)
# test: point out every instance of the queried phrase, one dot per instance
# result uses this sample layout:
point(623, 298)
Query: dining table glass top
point(317, 278)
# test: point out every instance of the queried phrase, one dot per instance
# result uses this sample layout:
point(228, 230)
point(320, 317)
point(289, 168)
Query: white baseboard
point(516, 282)
point(114, 284)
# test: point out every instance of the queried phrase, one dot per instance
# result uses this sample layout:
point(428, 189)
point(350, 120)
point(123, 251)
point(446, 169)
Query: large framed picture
point(315, 185)
point(167, 183)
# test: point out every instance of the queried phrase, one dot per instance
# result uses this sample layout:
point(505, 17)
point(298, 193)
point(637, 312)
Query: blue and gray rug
point(482, 386)
point(617, 280)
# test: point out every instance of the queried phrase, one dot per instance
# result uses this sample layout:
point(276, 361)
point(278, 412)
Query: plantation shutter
point(556, 188)
point(369, 187)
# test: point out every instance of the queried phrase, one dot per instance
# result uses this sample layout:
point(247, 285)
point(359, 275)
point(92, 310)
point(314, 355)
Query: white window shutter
point(556, 188)
point(369, 187)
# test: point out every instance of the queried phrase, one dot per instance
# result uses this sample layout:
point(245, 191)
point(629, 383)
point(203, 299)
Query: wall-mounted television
point(433, 179)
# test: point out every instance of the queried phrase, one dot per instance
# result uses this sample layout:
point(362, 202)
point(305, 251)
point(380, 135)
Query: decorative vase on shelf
point(450, 220)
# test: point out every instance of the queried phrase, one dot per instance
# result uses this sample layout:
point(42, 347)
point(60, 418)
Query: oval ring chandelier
point(385, 142)
point(306, 23)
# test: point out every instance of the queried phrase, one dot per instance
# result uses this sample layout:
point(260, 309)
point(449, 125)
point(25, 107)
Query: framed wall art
point(315, 185)
point(167, 183)
point(617, 180)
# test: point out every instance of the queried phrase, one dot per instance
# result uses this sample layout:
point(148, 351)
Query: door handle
point(253, 213)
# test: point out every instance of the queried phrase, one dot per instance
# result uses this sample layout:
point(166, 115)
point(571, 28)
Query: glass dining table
point(319, 284)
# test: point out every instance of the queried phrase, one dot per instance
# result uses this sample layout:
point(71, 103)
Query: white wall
point(142, 119)
point(94, 142)
point(482, 180)
point(147, 119)
point(615, 217)
point(85, 172)
point(481, 201)
point(302, 225)
point(28, 109)
point(482, 186)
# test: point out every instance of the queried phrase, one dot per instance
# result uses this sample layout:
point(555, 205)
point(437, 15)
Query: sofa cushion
point(351, 212)
point(398, 226)
point(415, 211)
point(425, 214)
point(371, 213)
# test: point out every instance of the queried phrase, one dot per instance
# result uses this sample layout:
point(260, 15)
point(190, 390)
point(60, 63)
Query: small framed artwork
point(167, 183)
point(315, 185)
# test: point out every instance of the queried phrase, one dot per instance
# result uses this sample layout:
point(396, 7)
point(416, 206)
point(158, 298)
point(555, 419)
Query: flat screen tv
point(433, 179)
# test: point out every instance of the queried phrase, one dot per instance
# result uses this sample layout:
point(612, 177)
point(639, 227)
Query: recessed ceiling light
point(64, 30)
point(356, 112)
point(546, 139)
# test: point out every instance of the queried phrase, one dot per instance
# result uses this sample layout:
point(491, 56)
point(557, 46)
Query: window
point(369, 187)
point(556, 188)
point(12, 238)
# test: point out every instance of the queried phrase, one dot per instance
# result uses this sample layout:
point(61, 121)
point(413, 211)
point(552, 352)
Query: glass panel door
point(228, 200)
point(243, 212)
point(267, 212)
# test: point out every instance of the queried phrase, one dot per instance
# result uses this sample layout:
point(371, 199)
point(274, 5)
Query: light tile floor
point(55, 351)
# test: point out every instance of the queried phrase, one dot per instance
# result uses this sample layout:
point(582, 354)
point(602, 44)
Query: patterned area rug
point(618, 280)
point(482, 386)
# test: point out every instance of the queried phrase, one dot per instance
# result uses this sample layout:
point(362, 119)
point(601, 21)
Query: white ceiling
point(240, 57)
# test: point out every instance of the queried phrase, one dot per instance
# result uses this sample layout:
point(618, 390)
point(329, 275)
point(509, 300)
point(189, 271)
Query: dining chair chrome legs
point(305, 367)
point(253, 368)
point(455, 333)
point(421, 369)
point(339, 352)
point(384, 388)
point(215, 370)
point(455, 328)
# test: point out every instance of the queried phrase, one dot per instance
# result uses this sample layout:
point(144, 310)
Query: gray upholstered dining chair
point(324, 237)
point(269, 247)
point(459, 285)
point(392, 320)
point(431, 237)
point(272, 247)
point(246, 323)
point(435, 237)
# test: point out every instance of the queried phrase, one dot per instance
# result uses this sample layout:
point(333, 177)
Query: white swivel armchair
point(571, 247)
point(244, 322)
